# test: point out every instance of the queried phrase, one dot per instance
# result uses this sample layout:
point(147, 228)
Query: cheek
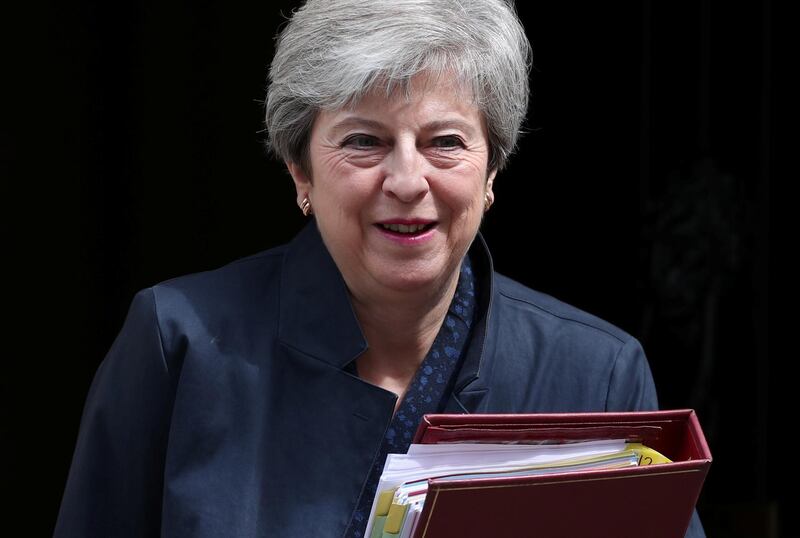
point(342, 196)
point(463, 195)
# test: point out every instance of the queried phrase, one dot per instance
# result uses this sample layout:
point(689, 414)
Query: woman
point(261, 399)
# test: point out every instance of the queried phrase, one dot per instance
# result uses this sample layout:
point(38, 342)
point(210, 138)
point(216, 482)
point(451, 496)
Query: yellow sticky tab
point(384, 502)
point(647, 456)
point(394, 521)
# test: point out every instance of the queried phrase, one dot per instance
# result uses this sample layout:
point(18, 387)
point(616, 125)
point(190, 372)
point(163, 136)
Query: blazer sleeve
point(115, 483)
point(632, 388)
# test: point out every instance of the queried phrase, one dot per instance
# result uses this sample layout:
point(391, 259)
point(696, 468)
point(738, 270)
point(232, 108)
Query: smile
point(410, 232)
point(406, 228)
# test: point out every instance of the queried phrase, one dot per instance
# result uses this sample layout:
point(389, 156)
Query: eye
point(448, 142)
point(360, 141)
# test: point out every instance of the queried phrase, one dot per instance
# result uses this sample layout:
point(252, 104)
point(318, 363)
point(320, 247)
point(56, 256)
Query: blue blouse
point(428, 391)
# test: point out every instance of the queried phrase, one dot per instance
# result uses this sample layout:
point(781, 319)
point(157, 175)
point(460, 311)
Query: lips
point(407, 227)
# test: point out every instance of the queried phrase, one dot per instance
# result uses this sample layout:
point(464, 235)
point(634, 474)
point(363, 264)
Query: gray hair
point(332, 52)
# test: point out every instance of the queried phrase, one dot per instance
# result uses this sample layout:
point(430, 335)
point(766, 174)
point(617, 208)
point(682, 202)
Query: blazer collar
point(317, 318)
point(473, 379)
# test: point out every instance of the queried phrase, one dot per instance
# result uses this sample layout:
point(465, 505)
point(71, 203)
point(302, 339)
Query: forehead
point(424, 101)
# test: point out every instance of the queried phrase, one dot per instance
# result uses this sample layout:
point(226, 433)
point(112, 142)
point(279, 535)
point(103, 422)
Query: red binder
point(646, 501)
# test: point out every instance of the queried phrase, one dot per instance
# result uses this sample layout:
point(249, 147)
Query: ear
point(489, 185)
point(490, 181)
point(302, 183)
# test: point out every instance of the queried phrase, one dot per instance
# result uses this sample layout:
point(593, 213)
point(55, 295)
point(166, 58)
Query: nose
point(405, 173)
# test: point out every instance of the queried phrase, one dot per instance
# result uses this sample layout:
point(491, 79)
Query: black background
point(132, 152)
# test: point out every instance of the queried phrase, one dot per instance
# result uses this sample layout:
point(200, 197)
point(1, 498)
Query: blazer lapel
point(471, 389)
point(332, 422)
point(316, 316)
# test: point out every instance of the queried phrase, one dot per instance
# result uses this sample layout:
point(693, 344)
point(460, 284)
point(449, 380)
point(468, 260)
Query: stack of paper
point(549, 477)
point(404, 483)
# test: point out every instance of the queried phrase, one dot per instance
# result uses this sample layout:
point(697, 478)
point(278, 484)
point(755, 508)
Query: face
point(398, 187)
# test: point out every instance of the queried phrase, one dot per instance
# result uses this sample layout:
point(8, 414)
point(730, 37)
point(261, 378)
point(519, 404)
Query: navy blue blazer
point(223, 407)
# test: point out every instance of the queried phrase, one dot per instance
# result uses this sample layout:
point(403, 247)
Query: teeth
point(404, 228)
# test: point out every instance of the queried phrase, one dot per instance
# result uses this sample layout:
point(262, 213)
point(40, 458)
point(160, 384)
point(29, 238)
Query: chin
point(406, 281)
point(408, 285)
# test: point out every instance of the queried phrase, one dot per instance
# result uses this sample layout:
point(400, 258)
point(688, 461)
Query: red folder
point(646, 501)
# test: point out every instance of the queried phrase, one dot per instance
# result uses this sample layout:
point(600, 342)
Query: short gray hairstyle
point(332, 52)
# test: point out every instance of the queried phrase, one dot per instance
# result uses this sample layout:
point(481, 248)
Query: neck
point(400, 329)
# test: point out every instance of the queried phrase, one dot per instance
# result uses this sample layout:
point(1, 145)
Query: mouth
point(406, 229)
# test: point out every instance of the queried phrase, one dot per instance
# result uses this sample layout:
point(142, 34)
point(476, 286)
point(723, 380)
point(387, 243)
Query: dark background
point(132, 152)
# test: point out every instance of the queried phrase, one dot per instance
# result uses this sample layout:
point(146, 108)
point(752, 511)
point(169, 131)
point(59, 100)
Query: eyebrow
point(436, 125)
point(440, 125)
point(355, 121)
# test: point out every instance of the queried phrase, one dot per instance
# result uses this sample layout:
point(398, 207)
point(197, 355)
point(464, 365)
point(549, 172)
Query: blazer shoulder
point(553, 311)
point(245, 275)
point(571, 360)
point(237, 295)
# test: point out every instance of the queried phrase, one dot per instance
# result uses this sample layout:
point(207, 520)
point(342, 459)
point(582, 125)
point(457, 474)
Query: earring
point(305, 207)
point(488, 200)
